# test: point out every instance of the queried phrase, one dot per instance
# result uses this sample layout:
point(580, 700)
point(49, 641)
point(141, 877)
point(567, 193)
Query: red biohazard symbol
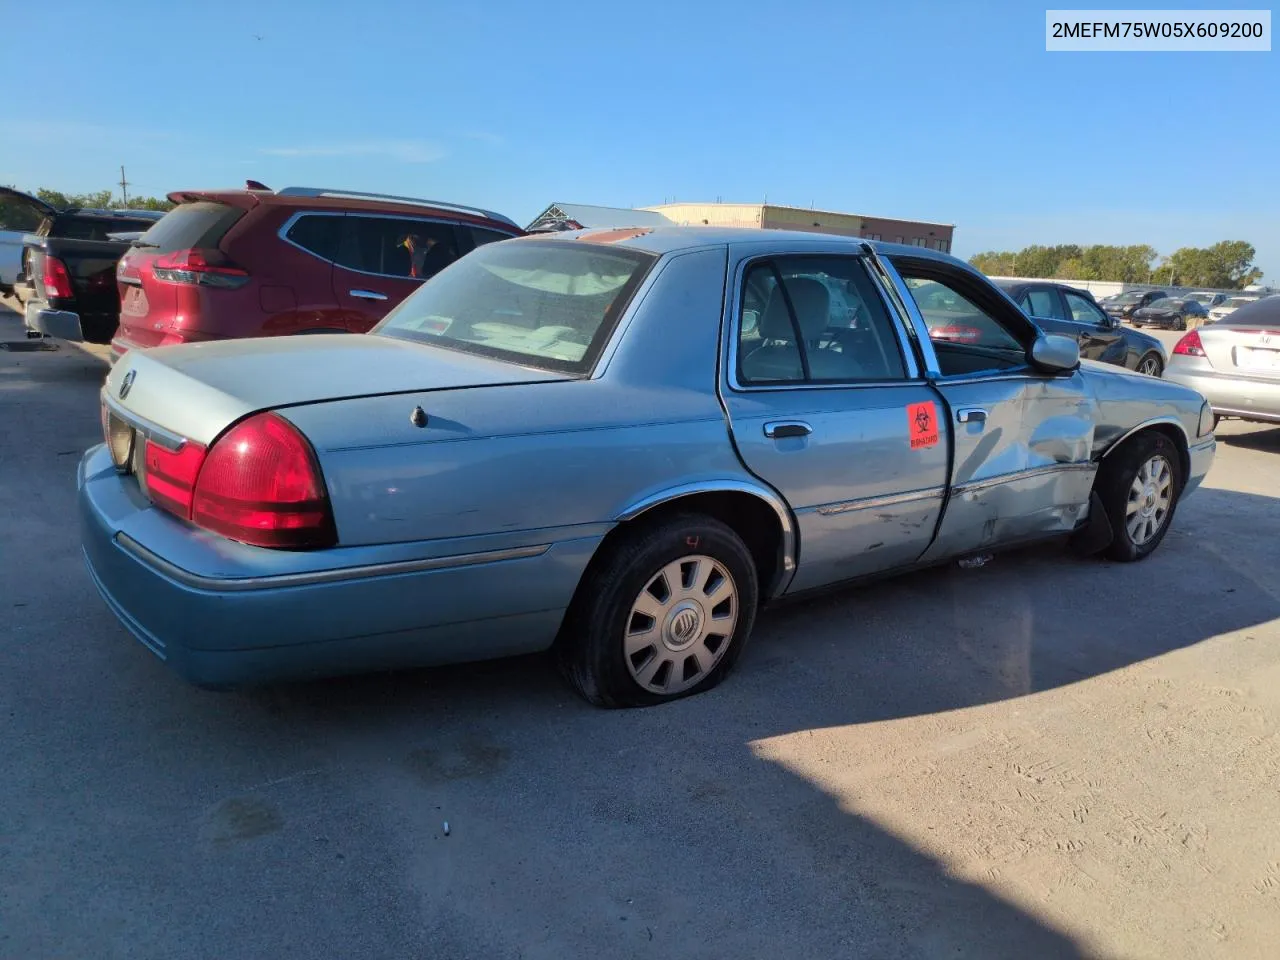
point(922, 423)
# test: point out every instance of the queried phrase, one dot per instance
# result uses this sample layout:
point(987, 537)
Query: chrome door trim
point(367, 294)
point(771, 428)
point(201, 582)
point(875, 503)
point(907, 303)
point(977, 486)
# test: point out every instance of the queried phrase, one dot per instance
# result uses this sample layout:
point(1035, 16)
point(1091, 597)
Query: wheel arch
point(758, 515)
point(1169, 427)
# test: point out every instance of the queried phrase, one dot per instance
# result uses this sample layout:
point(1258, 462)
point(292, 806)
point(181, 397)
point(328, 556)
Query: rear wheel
point(662, 614)
point(1139, 486)
point(1151, 365)
point(1180, 323)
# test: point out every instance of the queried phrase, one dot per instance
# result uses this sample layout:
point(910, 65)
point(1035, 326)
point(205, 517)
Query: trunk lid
point(197, 390)
point(1252, 351)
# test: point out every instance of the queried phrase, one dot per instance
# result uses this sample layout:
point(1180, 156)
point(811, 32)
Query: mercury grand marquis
point(616, 445)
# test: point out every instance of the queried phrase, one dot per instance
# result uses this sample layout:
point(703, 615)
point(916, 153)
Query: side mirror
point(1054, 353)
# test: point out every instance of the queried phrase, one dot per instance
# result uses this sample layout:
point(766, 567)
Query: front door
point(1022, 466)
point(382, 259)
point(827, 406)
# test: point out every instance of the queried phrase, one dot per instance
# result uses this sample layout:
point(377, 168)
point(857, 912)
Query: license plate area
point(1259, 358)
point(135, 302)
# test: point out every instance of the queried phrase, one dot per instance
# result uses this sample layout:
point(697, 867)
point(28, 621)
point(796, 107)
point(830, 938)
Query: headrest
point(812, 303)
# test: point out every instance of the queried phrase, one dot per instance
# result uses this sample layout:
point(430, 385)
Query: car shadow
point(673, 802)
point(1264, 437)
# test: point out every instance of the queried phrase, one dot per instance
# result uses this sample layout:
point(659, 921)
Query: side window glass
point(953, 319)
point(480, 236)
point(392, 247)
point(1084, 311)
point(819, 319)
point(1044, 303)
point(317, 234)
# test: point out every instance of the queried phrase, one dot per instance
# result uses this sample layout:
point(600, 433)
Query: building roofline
point(785, 206)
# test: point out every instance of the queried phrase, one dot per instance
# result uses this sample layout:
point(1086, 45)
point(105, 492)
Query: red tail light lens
point(207, 268)
point(56, 280)
point(261, 484)
point(171, 475)
point(1190, 345)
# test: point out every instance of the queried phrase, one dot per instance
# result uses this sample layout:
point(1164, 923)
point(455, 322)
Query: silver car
point(575, 442)
point(1235, 363)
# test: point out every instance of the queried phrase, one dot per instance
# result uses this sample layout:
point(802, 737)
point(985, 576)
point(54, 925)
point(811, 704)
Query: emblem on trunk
point(126, 384)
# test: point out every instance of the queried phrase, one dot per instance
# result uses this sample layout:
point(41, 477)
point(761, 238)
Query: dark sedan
point(1169, 313)
point(1123, 305)
point(1059, 308)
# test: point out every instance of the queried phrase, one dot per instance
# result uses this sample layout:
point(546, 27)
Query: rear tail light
point(261, 484)
point(207, 268)
point(1189, 345)
point(171, 475)
point(56, 279)
point(127, 272)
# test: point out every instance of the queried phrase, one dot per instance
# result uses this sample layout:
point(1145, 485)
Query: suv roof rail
point(392, 198)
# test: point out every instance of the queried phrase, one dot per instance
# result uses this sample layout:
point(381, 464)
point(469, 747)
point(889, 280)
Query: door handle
point(971, 415)
point(368, 294)
point(778, 429)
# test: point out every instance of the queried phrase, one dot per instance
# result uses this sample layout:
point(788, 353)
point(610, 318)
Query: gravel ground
point(1044, 757)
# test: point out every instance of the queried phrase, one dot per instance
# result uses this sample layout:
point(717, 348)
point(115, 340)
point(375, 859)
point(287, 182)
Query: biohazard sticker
point(922, 424)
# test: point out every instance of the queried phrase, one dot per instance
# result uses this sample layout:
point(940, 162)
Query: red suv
point(257, 262)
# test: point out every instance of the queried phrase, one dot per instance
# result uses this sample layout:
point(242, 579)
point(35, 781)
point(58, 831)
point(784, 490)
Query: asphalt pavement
point(1043, 757)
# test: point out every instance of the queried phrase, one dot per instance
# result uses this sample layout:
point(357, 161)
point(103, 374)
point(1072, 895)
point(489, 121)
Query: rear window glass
point(545, 304)
point(189, 225)
point(317, 233)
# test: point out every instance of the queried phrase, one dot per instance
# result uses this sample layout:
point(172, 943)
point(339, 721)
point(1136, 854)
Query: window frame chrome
point(860, 252)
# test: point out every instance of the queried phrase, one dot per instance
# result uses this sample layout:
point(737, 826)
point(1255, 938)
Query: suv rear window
point(190, 225)
point(550, 304)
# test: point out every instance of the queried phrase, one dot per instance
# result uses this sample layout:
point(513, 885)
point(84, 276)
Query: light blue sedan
point(617, 444)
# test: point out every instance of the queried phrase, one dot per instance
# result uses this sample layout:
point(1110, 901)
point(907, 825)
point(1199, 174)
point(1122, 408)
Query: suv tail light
point(126, 271)
point(1190, 345)
point(207, 268)
point(56, 279)
point(260, 484)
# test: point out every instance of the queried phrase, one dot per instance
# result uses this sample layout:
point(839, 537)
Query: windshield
point(1133, 296)
point(1163, 303)
point(1239, 301)
point(550, 304)
point(1201, 297)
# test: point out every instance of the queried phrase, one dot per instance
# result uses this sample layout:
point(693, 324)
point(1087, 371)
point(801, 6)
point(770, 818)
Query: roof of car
point(661, 240)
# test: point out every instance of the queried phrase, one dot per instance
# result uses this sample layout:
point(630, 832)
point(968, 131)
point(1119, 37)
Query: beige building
point(766, 216)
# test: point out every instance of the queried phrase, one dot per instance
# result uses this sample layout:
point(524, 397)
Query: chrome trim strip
point(734, 302)
point(976, 486)
point(730, 486)
point(152, 431)
point(1260, 415)
point(1142, 426)
point(201, 582)
point(875, 503)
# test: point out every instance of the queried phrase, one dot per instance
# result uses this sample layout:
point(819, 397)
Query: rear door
point(383, 258)
point(1021, 466)
point(836, 418)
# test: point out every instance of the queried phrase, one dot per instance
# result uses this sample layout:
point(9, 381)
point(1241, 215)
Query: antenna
point(124, 188)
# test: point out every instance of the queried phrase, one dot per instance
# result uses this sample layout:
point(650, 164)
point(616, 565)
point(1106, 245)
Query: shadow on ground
point(308, 820)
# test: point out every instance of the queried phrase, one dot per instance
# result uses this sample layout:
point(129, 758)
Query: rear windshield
point(69, 226)
point(190, 225)
point(550, 304)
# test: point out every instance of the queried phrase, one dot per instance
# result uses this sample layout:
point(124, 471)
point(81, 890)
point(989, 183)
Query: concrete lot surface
point(1044, 757)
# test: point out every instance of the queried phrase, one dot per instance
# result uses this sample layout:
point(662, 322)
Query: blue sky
point(945, 111)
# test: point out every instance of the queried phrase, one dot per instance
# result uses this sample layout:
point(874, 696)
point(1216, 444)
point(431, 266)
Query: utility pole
point(124, 188)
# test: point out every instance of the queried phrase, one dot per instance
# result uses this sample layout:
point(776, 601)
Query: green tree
point(994, 263)
point(100, 200)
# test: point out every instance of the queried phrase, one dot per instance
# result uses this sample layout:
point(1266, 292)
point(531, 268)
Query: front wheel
point(1139, 486)
point(662, 614)
point(1151, 365)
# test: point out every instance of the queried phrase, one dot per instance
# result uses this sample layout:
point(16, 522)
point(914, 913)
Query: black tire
point(1181, 323)
point(1115, 480)
point(1136, 324)
point(590, 649)
point(1154, 360)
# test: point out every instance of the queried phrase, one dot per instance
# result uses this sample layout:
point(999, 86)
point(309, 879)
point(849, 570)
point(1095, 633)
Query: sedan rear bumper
point(1250, 398)
point(219, 630)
